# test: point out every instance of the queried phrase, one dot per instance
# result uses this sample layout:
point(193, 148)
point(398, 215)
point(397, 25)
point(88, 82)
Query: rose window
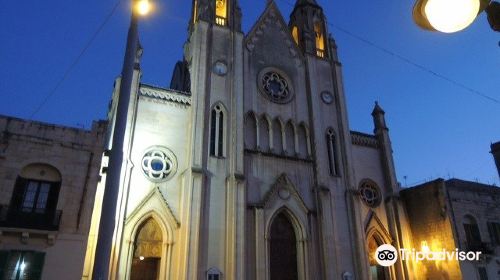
point(370, 194)
point(275, 86)
point(158, 164)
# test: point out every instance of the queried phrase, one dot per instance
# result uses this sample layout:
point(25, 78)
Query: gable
point(283, 189)
point(272, 34)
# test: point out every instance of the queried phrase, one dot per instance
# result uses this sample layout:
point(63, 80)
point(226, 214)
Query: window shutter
point(52, 204)
point(53, 197)
point(17, 194)
point(483, 274)
point(491, 231)
point(37, 265)
point(3, 262)
point(494, 230)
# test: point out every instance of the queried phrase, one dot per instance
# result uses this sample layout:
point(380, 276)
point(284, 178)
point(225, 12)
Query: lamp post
point(450, 16)
point(108, 215)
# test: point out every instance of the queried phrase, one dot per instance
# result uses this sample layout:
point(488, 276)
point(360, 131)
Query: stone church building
point(247, 168)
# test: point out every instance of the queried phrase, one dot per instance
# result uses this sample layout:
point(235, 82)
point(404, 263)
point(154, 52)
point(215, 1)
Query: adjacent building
point(450, 214)
point(48, 179)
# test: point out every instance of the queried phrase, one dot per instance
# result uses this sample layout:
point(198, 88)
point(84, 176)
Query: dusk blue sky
point(438, 129)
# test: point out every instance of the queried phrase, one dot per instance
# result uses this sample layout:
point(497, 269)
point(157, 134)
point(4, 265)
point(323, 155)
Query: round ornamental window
point(370, 194)
point(275, 85)
point(159, 164)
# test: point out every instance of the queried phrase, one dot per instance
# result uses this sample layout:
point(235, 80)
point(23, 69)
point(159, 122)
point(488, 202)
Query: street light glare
point(451, 15)
point(143, 7)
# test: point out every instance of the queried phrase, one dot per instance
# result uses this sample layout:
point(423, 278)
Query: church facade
point(247, 168)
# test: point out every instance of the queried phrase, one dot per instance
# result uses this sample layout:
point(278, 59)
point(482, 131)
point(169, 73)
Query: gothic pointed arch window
point(332, 152)
point(264, 141)
point(250, 131)
point(148, 251)
point(277, 137)
point(320, 39)
point(290, 139)
point(218, 131)
point(295, 34)
point(303, 140)
point(283, 249)
point(221, 12)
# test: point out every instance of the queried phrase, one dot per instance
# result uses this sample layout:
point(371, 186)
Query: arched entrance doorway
point(147, 252)
point(283, 249)
point(377, 271)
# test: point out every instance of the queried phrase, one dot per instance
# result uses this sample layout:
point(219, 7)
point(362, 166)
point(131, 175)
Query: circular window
point(159, 164)
point(370, 194)
point(275, 85)
point(327, 97)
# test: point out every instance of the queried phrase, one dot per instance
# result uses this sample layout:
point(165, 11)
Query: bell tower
point(220, 12)
point(308, 27)
point(214, 57)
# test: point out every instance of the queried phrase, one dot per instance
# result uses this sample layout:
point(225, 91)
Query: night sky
point(438, 128)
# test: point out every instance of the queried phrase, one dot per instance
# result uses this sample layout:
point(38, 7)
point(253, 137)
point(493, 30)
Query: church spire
point(225, 13)
point(378, 118)
point(308, 27)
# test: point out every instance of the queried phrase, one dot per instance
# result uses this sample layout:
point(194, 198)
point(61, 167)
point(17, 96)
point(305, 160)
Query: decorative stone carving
point(370, 194)
point(159, 164)
point(275, 85)
point(273, 17)
point(165, 95)
point(361, 139)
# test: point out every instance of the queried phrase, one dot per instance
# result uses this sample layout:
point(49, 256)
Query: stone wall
point(481, 203)
point(427, 210)
point(76, 154)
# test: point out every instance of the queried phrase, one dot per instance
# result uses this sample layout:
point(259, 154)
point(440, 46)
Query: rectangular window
point(483, 274)
point(213, 277)
point(494, 229)
point(35, 197)
point(21, 265)
point(472, 236)
point(33, 205)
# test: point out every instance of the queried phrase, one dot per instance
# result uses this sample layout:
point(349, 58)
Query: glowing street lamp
point(143, 7)
point(140, 8)
point(450, 16)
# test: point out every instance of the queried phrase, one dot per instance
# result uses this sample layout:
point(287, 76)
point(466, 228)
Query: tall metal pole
point(109, 203)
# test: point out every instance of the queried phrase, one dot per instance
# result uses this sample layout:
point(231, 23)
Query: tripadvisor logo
point(387, 255)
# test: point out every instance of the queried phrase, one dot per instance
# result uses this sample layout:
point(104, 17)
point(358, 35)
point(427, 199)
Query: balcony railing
point(320, 53)
point(483, 247)
point(220, 21)
point(14, 218)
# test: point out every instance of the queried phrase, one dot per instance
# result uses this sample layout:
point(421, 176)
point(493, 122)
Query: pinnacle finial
point(377, 109)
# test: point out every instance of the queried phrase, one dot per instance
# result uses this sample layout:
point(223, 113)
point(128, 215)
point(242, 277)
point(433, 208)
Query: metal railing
point(320, 53)
point(15, 218)
point(220, 21)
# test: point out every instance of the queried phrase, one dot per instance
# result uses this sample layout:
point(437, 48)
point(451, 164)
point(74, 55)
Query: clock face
point(327, 97)
point(220, 68)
